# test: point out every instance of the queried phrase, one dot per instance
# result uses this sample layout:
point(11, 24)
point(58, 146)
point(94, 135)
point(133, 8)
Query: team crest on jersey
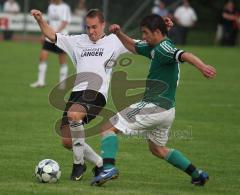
point(152, 54)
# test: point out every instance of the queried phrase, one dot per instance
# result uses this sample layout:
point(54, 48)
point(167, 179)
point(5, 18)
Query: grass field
point(208, 114)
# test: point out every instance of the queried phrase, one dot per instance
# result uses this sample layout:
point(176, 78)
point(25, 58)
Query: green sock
point(109, 148)
point(177, 159)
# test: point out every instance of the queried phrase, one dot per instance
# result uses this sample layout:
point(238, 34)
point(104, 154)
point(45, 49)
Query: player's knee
point(74, 116)
point(107, 133)
point(108, 128)
point(67, 143)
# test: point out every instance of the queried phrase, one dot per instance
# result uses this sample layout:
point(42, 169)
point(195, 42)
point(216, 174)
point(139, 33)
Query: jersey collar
point(99, 40)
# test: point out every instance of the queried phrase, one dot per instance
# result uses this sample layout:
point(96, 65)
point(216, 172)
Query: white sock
point(78, 140)
point(92, 156)
point(42, 68)
point(63, 75)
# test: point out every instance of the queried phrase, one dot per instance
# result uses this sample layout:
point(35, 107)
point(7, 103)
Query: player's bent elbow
point(52, 38)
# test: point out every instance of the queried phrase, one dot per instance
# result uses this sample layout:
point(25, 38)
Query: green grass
point(208, 112)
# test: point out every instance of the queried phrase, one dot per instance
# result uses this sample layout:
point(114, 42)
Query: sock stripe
point(190, 169)
point(75, 124)
point(109, 161)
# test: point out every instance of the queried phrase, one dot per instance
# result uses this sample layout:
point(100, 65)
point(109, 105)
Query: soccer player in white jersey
point(59, 16)
point(91, 53)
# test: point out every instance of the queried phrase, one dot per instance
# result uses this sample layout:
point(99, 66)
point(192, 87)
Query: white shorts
point(143, 117)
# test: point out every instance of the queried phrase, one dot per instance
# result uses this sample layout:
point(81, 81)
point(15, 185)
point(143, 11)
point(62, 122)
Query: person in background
point(160, 8)
point(81, 9)
point(59, 16)
point(186, 18)
point(10, 7)
point(81, 12)
point(229, 21)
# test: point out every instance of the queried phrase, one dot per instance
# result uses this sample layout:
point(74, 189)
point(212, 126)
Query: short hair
point(154, 22)
point(93, 13)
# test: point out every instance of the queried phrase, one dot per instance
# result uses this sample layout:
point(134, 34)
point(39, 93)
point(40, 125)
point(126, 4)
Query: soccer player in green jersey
point(156, 111)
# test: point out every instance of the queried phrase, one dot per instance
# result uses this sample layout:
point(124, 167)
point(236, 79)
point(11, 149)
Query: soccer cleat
point(37, 85)
point(105, 176)
point(201, 180)
point(77, 172)
point(96, 171)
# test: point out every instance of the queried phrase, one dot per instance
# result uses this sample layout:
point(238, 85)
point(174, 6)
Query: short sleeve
point(120, 49)
point(142, 48)
point(66, 15)
point(194, 15)
point(66, 43)
point(168, 53)
point(177, 13)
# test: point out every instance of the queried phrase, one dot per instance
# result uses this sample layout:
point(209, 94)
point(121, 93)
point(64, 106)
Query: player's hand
point(114, 28)
point(208, 71)
point(169, 23)
point(36, 14)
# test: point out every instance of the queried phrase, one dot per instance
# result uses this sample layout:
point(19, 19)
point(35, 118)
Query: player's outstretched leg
point(89, 154)
point(109, 147)
point(79, 167)
point(75, 115)
point(177, 159)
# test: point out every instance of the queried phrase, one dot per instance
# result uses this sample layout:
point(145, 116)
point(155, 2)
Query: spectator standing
point(81, 11)
point(186, 18)
point(59, 17)
point(10, 7)
point(160, 8)
point(229, 21)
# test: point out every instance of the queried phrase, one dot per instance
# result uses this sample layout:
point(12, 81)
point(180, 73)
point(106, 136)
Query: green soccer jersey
point(164, 72)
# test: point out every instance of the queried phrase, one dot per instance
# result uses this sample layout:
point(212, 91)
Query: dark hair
point(93, 13)
point(154, 22)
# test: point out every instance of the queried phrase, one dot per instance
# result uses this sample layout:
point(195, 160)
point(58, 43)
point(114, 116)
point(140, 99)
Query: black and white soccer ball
point(48, 171)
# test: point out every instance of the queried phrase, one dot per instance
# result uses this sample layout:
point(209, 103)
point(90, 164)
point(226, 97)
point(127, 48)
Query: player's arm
point(45, 28)
point(127, 41)
point(207, 70)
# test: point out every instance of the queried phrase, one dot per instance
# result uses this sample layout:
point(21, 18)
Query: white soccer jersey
point(94, 61)
point(58, 14)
